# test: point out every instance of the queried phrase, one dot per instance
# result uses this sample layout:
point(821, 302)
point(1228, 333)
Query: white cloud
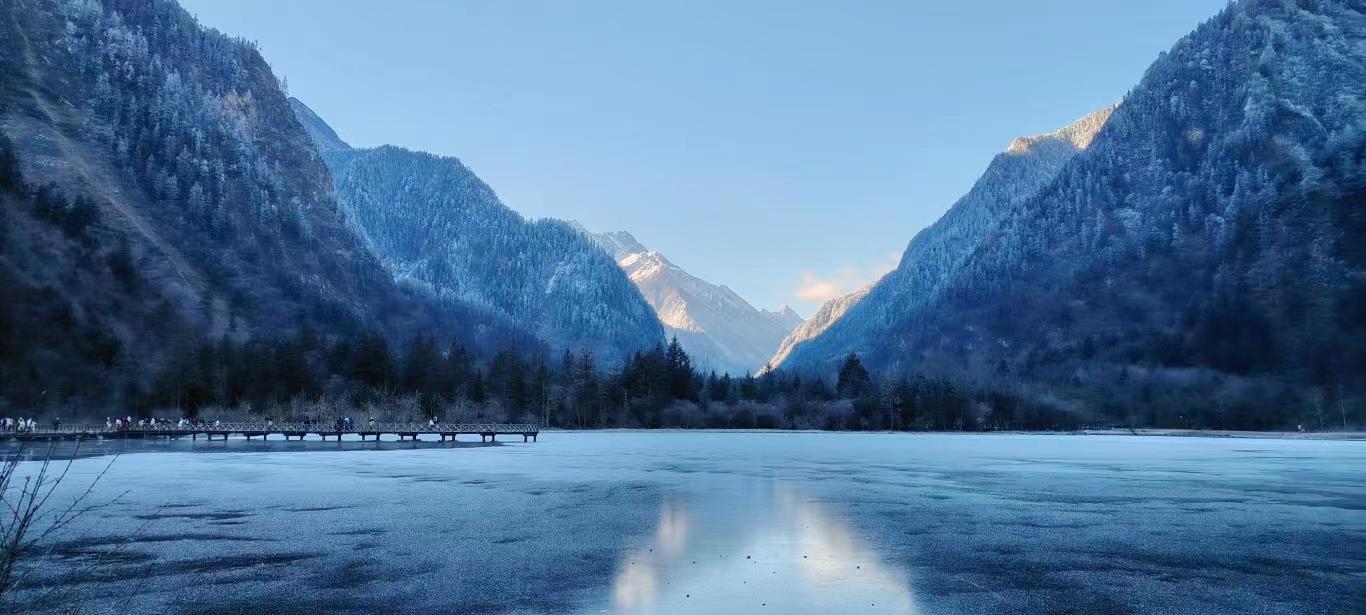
point(816, 289)
point(847, 280)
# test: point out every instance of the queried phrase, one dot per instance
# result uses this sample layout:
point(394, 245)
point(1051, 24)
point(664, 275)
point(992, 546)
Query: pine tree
point(457, 370)
point(372, 364)
point(420, 373)
point(853, 378)
point(477, 393)
point(680, 374)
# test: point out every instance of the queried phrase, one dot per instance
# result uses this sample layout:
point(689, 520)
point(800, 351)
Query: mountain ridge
point(324, 137)
point(169, 200)
point(722, 330)
point(936, 253)
point(439, 228)
point(1202, 256)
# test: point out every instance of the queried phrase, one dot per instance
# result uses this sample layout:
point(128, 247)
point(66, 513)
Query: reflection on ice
point(763, 549)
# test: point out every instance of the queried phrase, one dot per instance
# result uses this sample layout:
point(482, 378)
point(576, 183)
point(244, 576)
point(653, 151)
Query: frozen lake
point(668, 522)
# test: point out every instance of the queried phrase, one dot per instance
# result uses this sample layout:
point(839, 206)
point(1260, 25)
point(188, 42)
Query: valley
point(187, 238)
point(251, 324)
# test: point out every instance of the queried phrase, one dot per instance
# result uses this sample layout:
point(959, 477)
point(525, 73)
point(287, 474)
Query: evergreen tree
point(477, 393)
point(853, 378)
point(421, 374)
point(680, 373)
point(372, 363)
point(457, 372)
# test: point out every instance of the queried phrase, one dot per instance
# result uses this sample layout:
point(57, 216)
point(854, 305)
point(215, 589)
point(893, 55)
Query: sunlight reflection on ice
point(771, 549)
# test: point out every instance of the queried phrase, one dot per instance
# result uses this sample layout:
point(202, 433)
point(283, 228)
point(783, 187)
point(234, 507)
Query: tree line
point(310, 375)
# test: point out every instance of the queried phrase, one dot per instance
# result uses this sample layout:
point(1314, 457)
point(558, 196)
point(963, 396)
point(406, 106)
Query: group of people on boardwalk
point(127, 423)
point(23, 424)
point(340, 424)
point(346, 423)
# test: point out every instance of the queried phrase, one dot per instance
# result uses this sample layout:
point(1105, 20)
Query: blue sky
point(786, 148)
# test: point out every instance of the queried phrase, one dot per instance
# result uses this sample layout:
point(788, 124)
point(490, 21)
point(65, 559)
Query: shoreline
point(1232, 433)
point(237, 444)
point(1144, 432)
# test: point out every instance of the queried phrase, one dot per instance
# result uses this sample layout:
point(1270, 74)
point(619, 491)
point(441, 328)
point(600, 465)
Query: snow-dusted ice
point(668, 522)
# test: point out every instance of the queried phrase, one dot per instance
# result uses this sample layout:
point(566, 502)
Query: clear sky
point(786, 148)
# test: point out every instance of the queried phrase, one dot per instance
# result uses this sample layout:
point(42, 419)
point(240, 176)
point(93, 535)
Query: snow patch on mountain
point(714, 324)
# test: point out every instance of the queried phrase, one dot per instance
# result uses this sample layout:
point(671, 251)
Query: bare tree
point(30, 515)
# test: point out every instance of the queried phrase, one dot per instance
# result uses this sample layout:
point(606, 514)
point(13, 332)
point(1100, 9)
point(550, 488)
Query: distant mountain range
point(439, 228)
point(1204, 251)
point(721, 330)
point(432, 222)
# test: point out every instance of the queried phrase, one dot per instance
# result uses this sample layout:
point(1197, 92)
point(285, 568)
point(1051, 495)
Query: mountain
point(786, 317)
point(437, 227)
point(322, 135)
point(1202, 257)
point(825, 317)
point(855, 322)
point(160, 195)
point(721, 330)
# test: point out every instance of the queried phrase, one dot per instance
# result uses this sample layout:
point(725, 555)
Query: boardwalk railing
point(265, 429)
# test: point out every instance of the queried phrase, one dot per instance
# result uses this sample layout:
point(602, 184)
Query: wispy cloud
point(848, 279)
point(818, 289)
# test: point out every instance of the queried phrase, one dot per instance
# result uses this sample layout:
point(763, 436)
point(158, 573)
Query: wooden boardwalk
point(487, 432)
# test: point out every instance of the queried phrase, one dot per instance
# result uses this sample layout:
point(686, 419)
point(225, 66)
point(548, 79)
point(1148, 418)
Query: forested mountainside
point(322, 135)
point(717, 327)
point(437, 226)
point(826, 316)
point(1201, 263)
point(160, 199)
point(934, 257)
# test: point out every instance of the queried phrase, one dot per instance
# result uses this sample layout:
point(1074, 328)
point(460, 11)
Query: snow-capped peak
point(715, 324)
point(619, 244)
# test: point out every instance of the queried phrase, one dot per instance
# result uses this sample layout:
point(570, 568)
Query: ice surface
point(667, 522)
